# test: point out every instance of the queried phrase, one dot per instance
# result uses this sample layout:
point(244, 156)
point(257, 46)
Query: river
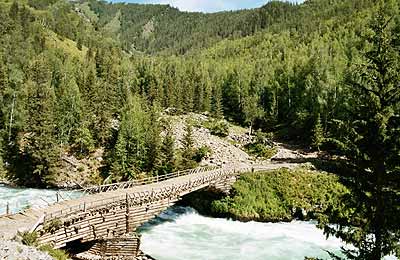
point(181, 233)
point(21, 198)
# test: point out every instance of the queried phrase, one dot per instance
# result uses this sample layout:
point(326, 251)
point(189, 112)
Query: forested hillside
point(163, 29)
point(78, 77)
point(70, 86)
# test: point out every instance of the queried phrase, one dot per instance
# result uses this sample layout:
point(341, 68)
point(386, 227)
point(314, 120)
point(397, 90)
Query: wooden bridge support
point(106, 219)
point(223, 185)
point(124, 247)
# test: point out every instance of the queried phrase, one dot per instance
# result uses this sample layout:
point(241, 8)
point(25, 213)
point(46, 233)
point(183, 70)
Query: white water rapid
point(182, 234)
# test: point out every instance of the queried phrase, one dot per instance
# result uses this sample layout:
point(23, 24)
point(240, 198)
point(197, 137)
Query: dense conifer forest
point(79, 75)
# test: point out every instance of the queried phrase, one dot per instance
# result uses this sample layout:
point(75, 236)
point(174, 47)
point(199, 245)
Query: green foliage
point(41, 148)
point(368, 216)
point(83, 140)
point(262, 146)
point(288, 69)
point(57, 254)
point(168, 161)
point(201, 153)
point(318, 134)
point(261, 150)
point(217, 127)
point(275, 196)
point(130, 152)
point(53, 225)
point(188, 150)
point(40, 4)
point(153, 140)
point(29, 238)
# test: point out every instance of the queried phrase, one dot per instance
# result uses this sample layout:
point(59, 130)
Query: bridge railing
point(145, 181)
point(78, 193)
point(215, 172)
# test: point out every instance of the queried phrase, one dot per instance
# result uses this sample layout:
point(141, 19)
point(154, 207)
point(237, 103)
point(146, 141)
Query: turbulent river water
point(22, 198)
point(182, 234)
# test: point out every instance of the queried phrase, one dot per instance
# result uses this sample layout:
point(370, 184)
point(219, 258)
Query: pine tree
point(83, 139)
point(318, 134)
point(168, 161)
point(14, 10)
point(369, 217)
point(153, 140)
point(217, 110)
point(41, 148)
point(188, 151)
point(79, 43)
point(69, 106)
point(131, 149)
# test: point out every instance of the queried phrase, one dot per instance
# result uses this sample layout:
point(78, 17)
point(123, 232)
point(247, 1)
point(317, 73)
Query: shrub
point(218, 127)
point(28, 238)
point(55, 253)
point(53, 225)
point(274, 195)
point(262, 147)
point(201, 153)
point(261, 151)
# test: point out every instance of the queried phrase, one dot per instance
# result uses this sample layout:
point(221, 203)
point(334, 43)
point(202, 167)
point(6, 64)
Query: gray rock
point(13, 250)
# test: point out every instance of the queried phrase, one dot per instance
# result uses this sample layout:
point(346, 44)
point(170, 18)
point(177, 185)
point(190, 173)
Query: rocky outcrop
point(224, 152)
point(14, 250)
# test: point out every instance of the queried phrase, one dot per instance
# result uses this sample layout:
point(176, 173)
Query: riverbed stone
point(11, 250)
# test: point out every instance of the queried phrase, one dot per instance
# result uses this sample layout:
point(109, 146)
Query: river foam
point(181, 234)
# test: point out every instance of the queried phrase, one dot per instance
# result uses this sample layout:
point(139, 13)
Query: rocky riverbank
point(11, 250)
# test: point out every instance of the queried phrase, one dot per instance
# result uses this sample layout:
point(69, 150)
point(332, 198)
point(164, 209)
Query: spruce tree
point(217, 110)
point(131, 149)
point(318, 134)
point(41, 148)
point(188, 151)
point(168, 161)
point(368, 219)
point(14, 10)
point(69, 106)
point(153, 140)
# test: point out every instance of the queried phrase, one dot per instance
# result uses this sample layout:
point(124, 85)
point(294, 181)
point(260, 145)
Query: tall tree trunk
point(379, 211)
point(11, 117)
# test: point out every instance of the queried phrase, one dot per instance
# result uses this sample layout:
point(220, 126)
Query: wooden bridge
point(104, 219)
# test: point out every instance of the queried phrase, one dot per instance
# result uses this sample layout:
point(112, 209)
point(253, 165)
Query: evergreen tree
point(232, 96)
point(41, 148)
point(318, 134)
point(14, 10)
point(131, 149)
point(69, 107)
point(153, 140)
point(83, 139)
point(217, 110)
point(168, 162)
point(369, 217)
point(188, 151)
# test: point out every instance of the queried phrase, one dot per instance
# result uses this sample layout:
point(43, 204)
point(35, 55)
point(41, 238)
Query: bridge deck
point(24, 221)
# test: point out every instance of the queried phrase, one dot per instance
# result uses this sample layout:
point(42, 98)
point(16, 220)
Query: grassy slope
point(68, 46)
